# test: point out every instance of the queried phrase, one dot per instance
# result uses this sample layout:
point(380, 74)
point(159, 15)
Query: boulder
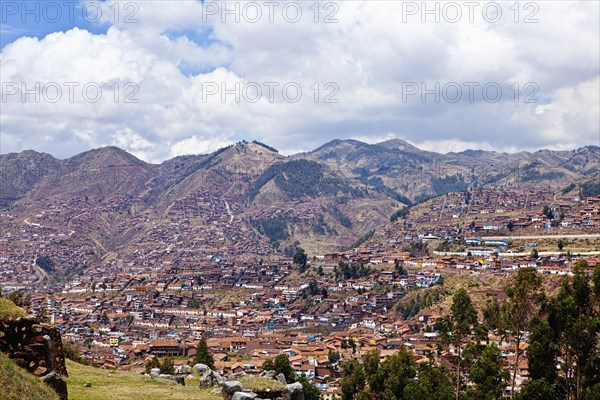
point(267, 374)
point(243, 396)
point(293, 391)
point(186, 369)
point(210, 378)
point(167, 376)
point(230, 388)
point(87, 384)
point(236, 375)
point(200, 368)
point(281, 379)
point(154, 372)
point(56, 382)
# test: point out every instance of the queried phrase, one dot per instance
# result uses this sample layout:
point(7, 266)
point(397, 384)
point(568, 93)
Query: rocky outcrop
point(208, 377)
point(230, 388)
point(281, 379)
point(293, 391)
point(36, 347)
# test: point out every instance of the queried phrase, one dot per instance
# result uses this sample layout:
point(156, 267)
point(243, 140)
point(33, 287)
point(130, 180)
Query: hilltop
point(323, 200)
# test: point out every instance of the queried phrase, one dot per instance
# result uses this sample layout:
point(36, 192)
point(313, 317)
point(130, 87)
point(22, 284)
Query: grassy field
point(116, 385)
point(18, 384)
point(8, 310)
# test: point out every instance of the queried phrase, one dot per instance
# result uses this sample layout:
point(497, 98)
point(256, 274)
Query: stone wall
point(36, 347)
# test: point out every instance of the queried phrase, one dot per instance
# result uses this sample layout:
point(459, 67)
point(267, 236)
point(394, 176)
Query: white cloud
point(176, 50)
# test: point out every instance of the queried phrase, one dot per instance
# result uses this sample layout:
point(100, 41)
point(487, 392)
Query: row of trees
point(563, 354)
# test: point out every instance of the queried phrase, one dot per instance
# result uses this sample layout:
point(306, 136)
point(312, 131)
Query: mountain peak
point(399, 144)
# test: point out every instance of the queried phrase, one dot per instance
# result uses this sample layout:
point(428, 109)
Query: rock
point(180, 380)
point(281, 379)
point(154, 372)
point(56, 382)
point(167, 376)
point(243, 396)
point(216, 391)
point(200, 368)
point(267, 374)
point(293, 391)
point(87, 384)
point(190, 377)
point(210, 378)
point(186, 369)
point(230, 388)
point(236, 375)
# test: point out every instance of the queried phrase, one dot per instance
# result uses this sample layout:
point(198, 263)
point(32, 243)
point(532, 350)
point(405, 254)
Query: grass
point(117, 385)
point(18, 384)
point(8, 310)
point(257, 383)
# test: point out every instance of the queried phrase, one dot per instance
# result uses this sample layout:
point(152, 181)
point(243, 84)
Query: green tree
point(432, 384)
point(455, 330)
point(560, 244)
point(20, 298)
point(371, 363)
point(333, 357)
point(203, 355)
point(311, 392)
point(281, 365)
point(535, 254)
point(301, 259)
point(268, 365)
point(45, 263)
point(353, 380)
point(537, 389)
point(525, 294)
point(167, 367)
point(488, 375)
point(151, 363)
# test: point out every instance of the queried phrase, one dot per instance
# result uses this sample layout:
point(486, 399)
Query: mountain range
point(323, 198)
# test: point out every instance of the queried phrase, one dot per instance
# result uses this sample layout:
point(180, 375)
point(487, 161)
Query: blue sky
point(39, 18)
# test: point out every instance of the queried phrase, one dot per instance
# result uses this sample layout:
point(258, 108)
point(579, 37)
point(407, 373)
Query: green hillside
point(18, 384)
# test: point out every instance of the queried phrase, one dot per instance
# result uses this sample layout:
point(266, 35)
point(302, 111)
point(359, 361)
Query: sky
point(166, 78)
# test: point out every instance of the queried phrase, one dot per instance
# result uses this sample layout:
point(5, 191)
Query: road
point(229, 212)
point(582, 236)
point(515, 254)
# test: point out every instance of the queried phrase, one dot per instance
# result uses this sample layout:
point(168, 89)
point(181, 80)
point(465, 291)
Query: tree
point(311, 392)
point(371, 363)
point(393, 375)
point(45, 263)
point(203, 355)
point(560, 244)
point(268, 365)
point(537, 389)
point(535, 254)
point(20, 299)
point(432, 384)
point(564, 333)
point(492, 314)
point(353, 380)
point(167, 367)
point(455, 330)
point(281, 365)
point(333, 357)
point(488, 375)
point(151, 363)
point(301, 259)
point(524, 294)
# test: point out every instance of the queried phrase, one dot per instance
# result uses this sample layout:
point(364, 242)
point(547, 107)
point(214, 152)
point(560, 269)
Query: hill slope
point(18, 384)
